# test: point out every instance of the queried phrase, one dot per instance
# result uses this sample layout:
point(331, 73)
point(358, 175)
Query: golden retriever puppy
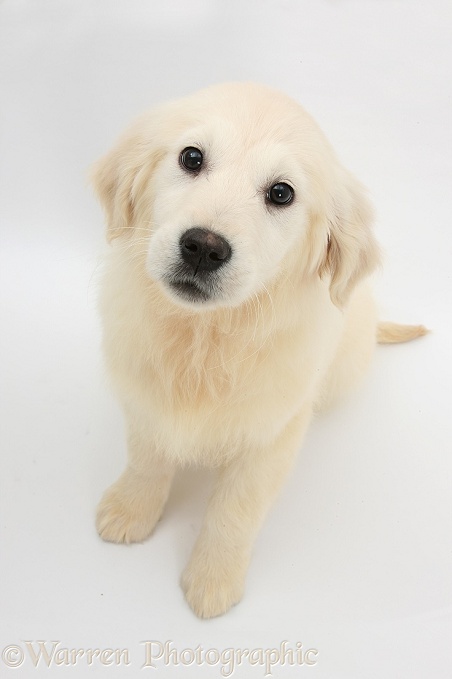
point(234, 304)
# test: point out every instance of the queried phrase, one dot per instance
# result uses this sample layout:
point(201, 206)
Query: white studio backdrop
point(354, 561)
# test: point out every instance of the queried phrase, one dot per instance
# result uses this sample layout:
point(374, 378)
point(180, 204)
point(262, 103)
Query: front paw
point(122, 519)
point(211, 587)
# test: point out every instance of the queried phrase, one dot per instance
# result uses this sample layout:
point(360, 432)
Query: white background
point(355, 558)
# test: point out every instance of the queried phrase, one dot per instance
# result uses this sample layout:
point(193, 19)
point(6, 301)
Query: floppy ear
point(120, 176)
point(352, 251)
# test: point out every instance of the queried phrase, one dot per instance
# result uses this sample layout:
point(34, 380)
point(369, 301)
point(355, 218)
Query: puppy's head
point(227, 188)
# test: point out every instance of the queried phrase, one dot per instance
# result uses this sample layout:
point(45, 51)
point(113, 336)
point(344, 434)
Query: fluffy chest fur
point(218, 381)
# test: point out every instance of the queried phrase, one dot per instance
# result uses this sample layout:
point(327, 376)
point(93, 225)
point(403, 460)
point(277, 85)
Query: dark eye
point(280, 194)
point(191, 159)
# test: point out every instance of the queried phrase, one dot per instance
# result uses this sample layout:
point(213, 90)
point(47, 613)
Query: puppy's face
point(226, 211)
point(224, 187)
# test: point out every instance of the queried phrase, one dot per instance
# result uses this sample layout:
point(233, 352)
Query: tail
point(392, 333)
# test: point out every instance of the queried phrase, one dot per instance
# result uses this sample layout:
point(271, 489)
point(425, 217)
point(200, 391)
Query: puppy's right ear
point(120, 176)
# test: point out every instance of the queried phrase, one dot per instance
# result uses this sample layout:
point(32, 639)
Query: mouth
point(189, 291)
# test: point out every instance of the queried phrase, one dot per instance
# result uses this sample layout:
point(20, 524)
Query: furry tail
point(392, 333)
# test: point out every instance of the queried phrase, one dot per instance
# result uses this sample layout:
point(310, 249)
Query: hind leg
point(355, 349)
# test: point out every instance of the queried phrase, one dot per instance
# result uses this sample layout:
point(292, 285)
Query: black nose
point(204, 250)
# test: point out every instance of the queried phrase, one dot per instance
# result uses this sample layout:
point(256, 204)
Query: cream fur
point(233, 382)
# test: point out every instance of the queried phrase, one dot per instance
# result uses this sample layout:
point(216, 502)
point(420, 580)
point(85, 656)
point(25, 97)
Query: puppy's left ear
point(352, 251)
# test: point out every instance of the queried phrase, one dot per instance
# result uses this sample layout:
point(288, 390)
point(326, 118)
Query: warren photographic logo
point(157, 655)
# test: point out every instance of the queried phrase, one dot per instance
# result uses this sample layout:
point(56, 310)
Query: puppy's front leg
point(214, 578)
point(131, 507)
